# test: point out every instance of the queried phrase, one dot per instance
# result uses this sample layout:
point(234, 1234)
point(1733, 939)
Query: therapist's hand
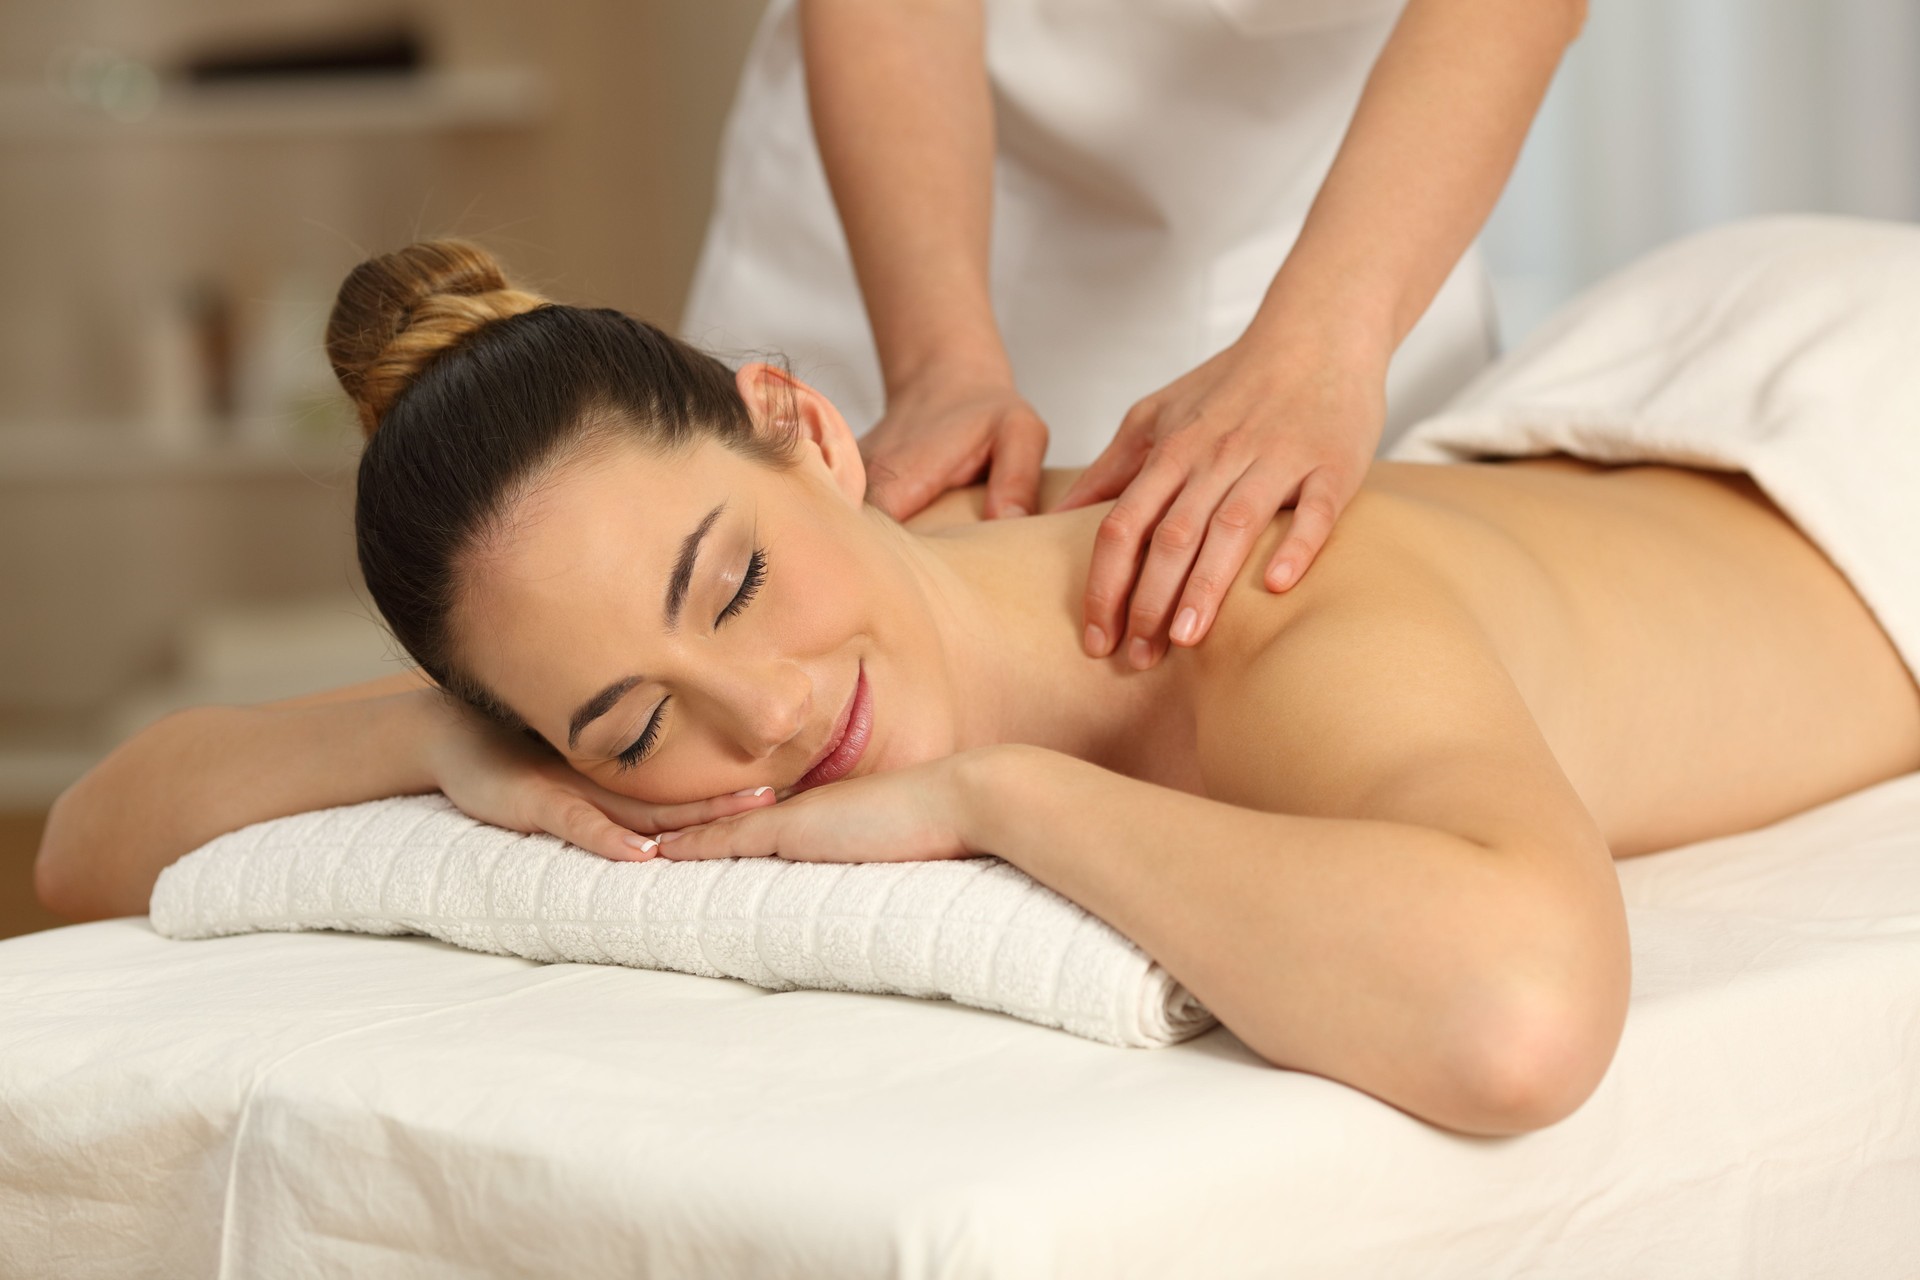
point(505, 779)
point(1201, 467)
point(940, 434)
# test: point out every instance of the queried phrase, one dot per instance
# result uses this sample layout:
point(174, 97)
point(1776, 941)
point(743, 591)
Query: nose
point(770, 708)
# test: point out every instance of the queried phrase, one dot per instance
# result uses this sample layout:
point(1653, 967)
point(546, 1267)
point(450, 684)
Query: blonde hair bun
point(397, 313)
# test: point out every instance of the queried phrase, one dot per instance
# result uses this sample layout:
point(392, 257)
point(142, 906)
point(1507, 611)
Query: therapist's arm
point(1293, 410)
point(904, 119)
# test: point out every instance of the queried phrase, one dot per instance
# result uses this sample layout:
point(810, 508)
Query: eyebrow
point(602, 702)
point(683, 567)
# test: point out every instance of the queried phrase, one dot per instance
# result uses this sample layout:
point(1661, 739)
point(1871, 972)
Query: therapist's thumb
point(1013, 478)
point(901, 494)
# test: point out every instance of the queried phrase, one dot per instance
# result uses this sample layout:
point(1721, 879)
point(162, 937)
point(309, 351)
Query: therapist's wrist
point(965, 358)
point(1330, 327)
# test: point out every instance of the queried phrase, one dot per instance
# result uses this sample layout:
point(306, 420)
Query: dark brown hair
point(469, 390)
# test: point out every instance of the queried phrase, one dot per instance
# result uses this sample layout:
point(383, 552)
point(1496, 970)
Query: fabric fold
point(976, 931)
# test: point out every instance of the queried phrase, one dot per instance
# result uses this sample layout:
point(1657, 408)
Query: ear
point(780, 402)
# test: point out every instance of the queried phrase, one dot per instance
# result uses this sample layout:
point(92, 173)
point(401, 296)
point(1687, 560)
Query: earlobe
point(780, 402)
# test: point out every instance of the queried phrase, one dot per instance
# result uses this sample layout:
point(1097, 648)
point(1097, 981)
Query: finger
point(650, 818)
point(1117, 465)
point(1117, 546)
point(1237, 523)
point(1013, 486)
point(1171, 552)
point(901, 485)
point(740, 836)
point(1322, 497)
point(579, 822)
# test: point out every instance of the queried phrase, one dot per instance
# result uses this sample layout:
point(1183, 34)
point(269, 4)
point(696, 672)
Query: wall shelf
point(96, 452)
point(416, 103)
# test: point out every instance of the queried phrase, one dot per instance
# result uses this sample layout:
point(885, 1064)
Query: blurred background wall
point(175, 463)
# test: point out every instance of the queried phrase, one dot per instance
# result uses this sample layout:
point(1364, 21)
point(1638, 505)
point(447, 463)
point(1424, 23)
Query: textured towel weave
point(976, 931)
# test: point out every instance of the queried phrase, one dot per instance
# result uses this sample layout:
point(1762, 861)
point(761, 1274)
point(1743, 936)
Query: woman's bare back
point(1695, 664)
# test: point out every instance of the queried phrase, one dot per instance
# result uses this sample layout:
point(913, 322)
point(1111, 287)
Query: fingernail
point(670, 835)
point(1281, 575)
point(1186, 624)
point(754, 791)
point(1096, 642)
point(1140, 654)
point(641, 844)
point(1012, 511)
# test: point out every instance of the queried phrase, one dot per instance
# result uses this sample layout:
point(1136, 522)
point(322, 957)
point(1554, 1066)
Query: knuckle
point(1206, 584)
point(1116, 529)
point(1176, 533)
point(1171, 451)
point(1236, 515)
point(1318, 507)
point(1227, 444)
point(570, 818)
point(1141, 416)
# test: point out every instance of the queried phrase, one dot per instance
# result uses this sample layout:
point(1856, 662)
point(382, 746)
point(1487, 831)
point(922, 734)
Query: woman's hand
point(499, 777)
point(918, 814)
point(1201, 467)
point(938, 435)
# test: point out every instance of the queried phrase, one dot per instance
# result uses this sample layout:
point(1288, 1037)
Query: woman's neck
point(1006, 598)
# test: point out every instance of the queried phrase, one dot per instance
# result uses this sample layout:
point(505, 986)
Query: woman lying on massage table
point(1368, 822)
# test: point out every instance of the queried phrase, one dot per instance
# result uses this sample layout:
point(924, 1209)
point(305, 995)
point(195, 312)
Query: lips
point(848, 741)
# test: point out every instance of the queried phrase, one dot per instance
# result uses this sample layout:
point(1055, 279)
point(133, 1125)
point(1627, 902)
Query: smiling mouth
point(851, 732)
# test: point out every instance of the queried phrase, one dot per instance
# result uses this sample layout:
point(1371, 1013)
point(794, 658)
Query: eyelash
point(749, 585)
point(634, 754)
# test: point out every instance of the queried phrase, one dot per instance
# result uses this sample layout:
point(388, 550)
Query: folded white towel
point(977, 931)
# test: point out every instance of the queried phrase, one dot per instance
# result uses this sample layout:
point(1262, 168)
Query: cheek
point(666, 781)
point(826, 599)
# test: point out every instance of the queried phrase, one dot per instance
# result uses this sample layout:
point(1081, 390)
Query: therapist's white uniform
point(1155, 161)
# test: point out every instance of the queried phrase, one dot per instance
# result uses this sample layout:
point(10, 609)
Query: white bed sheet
point(295, 1105)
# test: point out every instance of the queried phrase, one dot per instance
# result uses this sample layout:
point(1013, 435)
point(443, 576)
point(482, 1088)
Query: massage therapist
point(1213, 248)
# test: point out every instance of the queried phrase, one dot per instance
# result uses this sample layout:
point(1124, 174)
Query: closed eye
point(749, 584)
point(641, 745)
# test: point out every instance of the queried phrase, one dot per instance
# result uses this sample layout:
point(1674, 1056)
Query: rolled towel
point(975, 931)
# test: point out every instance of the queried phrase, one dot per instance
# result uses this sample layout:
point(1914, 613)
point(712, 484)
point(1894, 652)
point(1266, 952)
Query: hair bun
point(395, 314)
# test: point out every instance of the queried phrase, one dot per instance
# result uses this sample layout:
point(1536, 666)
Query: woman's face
point(687, 625)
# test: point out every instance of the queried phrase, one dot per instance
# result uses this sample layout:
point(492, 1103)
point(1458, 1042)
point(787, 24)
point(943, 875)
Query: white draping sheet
point(306, 1105)
point(1787, 348)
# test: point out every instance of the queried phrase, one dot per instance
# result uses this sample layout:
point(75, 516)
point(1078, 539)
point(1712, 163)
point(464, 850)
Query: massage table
point(295, 1105)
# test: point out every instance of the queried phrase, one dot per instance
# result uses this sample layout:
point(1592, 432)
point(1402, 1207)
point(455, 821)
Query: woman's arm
point(204, 771)
point(1293, 410)
point(904, 118)
point(1390, 883)
point(1395, 886)
point(200, 773)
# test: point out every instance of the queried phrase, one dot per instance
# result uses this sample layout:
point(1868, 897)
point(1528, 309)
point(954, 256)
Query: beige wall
point(599, 196)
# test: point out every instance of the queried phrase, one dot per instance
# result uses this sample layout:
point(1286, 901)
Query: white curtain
point(1672, 115)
